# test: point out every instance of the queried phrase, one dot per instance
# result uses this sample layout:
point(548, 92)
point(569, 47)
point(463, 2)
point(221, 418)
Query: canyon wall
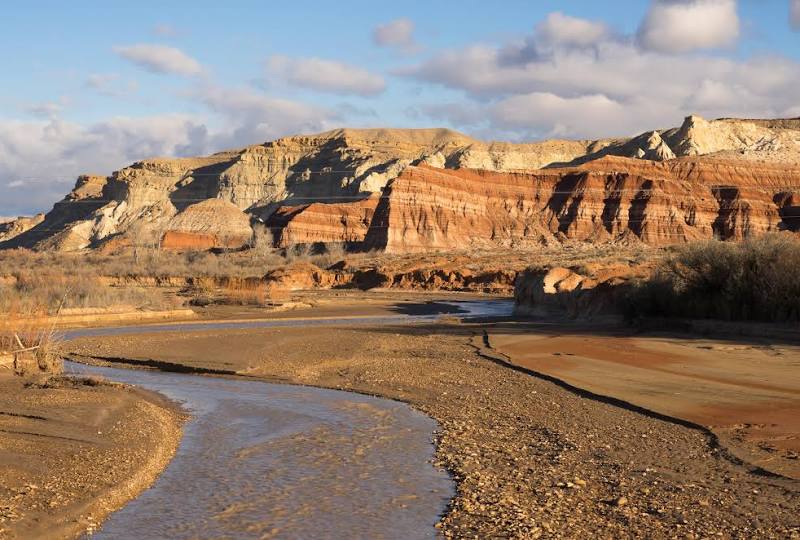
point(609, 199)
point(427, 189)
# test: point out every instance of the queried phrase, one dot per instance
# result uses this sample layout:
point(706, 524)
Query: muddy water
point(261, 460)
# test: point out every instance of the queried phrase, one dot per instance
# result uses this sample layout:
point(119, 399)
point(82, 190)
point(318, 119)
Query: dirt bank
point(72, 452)
point(531, 458)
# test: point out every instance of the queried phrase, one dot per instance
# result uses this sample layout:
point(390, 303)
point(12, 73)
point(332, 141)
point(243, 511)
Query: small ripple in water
point(261, 460)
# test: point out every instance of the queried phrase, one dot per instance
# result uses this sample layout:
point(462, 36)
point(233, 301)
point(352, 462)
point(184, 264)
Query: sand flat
point(747, 393)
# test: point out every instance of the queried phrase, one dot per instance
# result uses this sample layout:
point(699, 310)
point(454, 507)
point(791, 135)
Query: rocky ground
point(531, 459)
point(72, 451)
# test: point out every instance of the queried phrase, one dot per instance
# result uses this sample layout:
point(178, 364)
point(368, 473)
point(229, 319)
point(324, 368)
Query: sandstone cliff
point(14, 227)
point(396, 190)
point(609, 199)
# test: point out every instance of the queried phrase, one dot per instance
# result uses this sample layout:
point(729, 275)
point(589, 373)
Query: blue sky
point(92, 86)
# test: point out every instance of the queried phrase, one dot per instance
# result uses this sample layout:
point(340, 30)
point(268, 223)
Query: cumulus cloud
point(794, 14)
point(592, 115)
point(39, 160)
point(454, 113)
point(521, 83)
point(560, 29)
point(397, 34)
point(679, 26)
point(160, 59)
point(250, 116)
point(556, 31)
point(326, 75)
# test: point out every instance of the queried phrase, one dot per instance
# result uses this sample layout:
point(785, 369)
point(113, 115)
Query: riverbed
point(264, 460)
point(261, 460)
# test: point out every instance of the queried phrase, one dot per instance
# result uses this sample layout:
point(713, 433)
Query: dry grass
point(34, 341)
point(152, 263)
point(753, 280)
point(237, 292)
point(247, 294)
point(44, 291)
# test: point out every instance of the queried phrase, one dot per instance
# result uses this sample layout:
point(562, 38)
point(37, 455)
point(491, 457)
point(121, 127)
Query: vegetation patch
point(754, 280)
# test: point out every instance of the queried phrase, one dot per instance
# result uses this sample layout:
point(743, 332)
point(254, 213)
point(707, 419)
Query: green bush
point(754, 280)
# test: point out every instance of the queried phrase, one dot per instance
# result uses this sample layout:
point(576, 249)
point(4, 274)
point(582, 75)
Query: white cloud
point(560, 29)
point(679, 26)
point(251, 117)
point(556, 32)
point(521, 83)
point(454, 113)
point(161, 59)
point(794, 14)
point(326, 75)
point(101, 81)
point(110, 84)
point(556, 116)
point(397, 34)
point(39, 160)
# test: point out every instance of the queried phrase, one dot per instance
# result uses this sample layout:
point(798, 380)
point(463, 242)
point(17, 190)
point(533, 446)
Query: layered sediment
point(428, 189)
point(609, 199)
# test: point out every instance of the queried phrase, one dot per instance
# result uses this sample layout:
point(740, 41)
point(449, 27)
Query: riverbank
point(530, 458)
point(74, 450)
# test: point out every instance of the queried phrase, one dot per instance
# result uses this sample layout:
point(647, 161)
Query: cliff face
point(610, 199)
point(14, 227)
point(412, 190)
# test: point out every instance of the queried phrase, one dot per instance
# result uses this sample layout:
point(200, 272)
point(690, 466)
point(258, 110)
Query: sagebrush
point(754, 280)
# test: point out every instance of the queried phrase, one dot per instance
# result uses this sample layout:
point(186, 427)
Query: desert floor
point(534, 456)
point(746, 390)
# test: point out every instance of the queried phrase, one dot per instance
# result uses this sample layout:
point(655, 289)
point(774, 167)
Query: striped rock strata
point(378, 188)
point(609, 199)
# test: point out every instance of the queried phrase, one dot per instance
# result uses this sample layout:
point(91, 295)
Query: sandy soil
point(71, 453)
point(531, 458)
point(748, 393)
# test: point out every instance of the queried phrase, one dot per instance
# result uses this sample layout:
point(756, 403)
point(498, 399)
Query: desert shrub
point(754, 280)
point(43, 292)
point(328, 254)
point(246, 294)
point(21, 331)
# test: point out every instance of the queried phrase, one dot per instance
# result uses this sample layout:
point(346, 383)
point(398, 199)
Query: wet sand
point(530, 458)
point(747, 393)
point(72, 453)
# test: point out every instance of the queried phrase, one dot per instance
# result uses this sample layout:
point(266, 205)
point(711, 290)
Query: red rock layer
point(318, 222)
point(175, 240)
point(607, 199)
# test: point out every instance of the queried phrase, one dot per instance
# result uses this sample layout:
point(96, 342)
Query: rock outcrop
point(610, 199)
point(397, 190)
point(14, 227)
point(562, 291)
point(213, 223)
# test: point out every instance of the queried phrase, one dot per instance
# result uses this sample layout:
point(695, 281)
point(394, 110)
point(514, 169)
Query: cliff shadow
point(565, 200)
point(201, 184)
point(788, 204)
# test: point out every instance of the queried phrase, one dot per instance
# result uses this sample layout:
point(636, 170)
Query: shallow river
point(260, 460)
